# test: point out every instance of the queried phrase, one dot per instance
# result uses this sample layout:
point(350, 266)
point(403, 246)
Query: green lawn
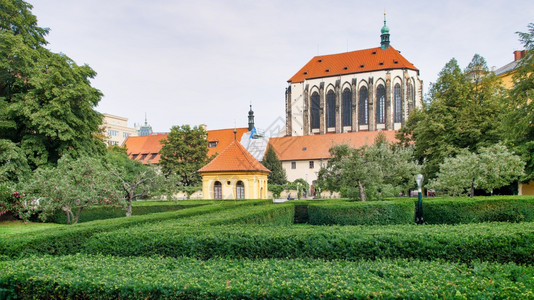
point(16, 227)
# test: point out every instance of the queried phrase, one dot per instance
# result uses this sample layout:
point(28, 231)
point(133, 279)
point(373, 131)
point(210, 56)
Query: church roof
point(146, 148)
point(235, 158)
point(360, 61)
point(309, 147)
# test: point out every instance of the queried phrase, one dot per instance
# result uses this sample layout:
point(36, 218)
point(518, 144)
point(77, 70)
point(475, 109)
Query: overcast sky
point(205, 61)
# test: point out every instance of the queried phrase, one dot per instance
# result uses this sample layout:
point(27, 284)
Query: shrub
point(479, 209)
point(107, 277)
point(362, 213)
point(70, 239)
point(496, 242)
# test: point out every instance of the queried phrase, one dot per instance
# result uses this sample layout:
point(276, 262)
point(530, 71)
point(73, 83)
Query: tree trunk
point(68, 216)
point(472, 188)
point(129, 203)
point(362, 191)
point(78, 215)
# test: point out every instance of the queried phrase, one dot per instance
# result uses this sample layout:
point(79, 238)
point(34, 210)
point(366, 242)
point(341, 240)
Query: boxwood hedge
point(362, 213)
point(70, 238)
point(496, 242)
point(106, 277)
point(479, 209)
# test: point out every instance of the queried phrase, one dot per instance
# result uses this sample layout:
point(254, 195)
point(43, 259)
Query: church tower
point(384, 37)
point(250, 119)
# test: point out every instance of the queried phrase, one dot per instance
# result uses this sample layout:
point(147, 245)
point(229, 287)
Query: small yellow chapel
point(234, 174)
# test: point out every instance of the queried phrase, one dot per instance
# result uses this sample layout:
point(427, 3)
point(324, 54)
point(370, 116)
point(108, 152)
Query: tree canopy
point(271, 162)
point(184, 152)
point(47, 101)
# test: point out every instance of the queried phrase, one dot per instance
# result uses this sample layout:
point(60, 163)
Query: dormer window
point(212, 144)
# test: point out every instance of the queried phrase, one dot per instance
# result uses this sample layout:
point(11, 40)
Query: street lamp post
point(419, 210)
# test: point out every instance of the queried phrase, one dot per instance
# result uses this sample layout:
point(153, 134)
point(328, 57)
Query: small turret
point(384, 37)
point(250, 119)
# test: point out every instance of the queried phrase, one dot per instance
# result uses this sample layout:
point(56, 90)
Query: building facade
point(234, 174)
point(371, 89)
point(116, 129)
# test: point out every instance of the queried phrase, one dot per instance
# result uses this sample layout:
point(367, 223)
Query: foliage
point(491, 168)
point(70, 239)
point(72, 186)
point(47, 103)
point(376, 171)
point(184, 152)
point(496, 242)
point(108, 277)
point(135, 179)
point(461, 114)
point(484, 209)
point(13, 162)
point(16, 18)
point(277, 189)
point(15, 202)
point(362, 213)
point(518, 127)
point(271, 162)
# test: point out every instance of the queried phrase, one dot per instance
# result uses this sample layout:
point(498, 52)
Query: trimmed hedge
point(101, 277)
point(103, 212)
point(70, 238)
point(479, 209)
point(362, 213)
point(495, 242)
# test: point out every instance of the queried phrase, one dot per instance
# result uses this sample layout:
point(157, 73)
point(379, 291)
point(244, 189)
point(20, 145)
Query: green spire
point(384, 37)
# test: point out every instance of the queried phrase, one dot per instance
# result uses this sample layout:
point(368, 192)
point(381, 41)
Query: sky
point(205, 61)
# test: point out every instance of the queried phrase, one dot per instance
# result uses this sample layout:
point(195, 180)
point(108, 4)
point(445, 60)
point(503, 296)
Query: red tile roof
point(235, 158)
point(352, 62)
point(310, 147)
point(146, 148)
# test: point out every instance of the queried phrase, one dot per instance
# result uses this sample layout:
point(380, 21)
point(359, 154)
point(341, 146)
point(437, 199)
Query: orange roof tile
point(317, 146)
point(235, 158)
point(146, 148)
point(223, 137)
point(352, 62)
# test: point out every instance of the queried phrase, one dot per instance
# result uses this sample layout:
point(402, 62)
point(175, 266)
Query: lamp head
point(419, 180)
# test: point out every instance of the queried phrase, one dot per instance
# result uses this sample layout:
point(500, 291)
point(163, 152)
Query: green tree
point(72, 186)
point(135, 179)
point(46, 99)
point(271, 162)
point(184, 152)
point(13, 163)
point(492, 167)
point(461, 113)
point(518, 125)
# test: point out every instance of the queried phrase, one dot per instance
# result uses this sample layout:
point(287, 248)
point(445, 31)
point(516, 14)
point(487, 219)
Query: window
point(380, 105)
point(331, 109)
point(347, 108)
point(125, 134)
point(240, 190)
point(113, 133)
point(293, 165)
point(410, 96)
point(143, 156)
point(212, 144)
point(217, 190)
point(315, 117)
point(398, 103)
point(363, 118)
point(312, 164)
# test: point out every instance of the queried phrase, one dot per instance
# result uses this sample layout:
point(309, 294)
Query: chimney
point(518, 54)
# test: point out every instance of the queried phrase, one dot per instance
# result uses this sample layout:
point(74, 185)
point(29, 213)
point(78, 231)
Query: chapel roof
point(235, 158)
point(310, 147)
point(353, 62)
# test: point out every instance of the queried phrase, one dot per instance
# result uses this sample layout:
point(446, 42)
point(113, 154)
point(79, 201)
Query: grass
point(16, 227)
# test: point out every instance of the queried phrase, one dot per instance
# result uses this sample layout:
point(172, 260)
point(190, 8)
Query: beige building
point(303, 156)
point(234, 174)
point(116, 129)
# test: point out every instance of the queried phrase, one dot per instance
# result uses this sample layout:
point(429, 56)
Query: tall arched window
point(315, 116)
point(363, 118)
point(240, 190)
point(217, 190)
point(398, 103)
point(347, 107)
point(410, 96)
point(380, 105)
point(331, 109)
